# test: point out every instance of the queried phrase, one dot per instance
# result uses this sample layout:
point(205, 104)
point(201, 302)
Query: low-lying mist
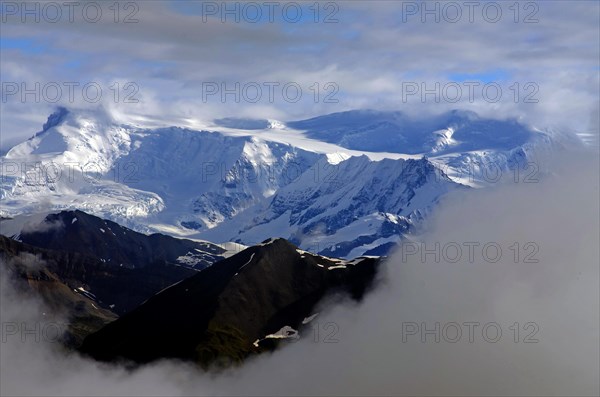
point(498, 296)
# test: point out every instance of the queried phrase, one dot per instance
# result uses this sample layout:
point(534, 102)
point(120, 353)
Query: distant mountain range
point(344, 184)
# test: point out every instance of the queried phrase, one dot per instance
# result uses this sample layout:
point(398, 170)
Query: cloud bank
point(369, 50)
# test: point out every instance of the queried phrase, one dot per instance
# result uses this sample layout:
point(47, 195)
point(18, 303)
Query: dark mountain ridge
point(77, 231)
point(119, 267)
point(220, 314)
point(37, 272)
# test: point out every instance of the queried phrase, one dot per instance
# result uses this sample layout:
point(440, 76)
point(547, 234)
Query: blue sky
point(26, 46)
point(366, 49)
point(495, 75)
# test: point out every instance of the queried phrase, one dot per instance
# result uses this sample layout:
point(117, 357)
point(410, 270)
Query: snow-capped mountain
point(343, 184)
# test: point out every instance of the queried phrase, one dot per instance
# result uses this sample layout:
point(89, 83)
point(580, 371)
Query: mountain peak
point(228, 311)
point(461, 113)
point(55, 119)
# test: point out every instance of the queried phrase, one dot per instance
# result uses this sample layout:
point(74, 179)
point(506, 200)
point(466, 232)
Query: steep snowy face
point(259, 172)
point(525, 163)
point(442, 140)
point(205, 178)
point(76, 137)
point(343, 209)
point(68, 165)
